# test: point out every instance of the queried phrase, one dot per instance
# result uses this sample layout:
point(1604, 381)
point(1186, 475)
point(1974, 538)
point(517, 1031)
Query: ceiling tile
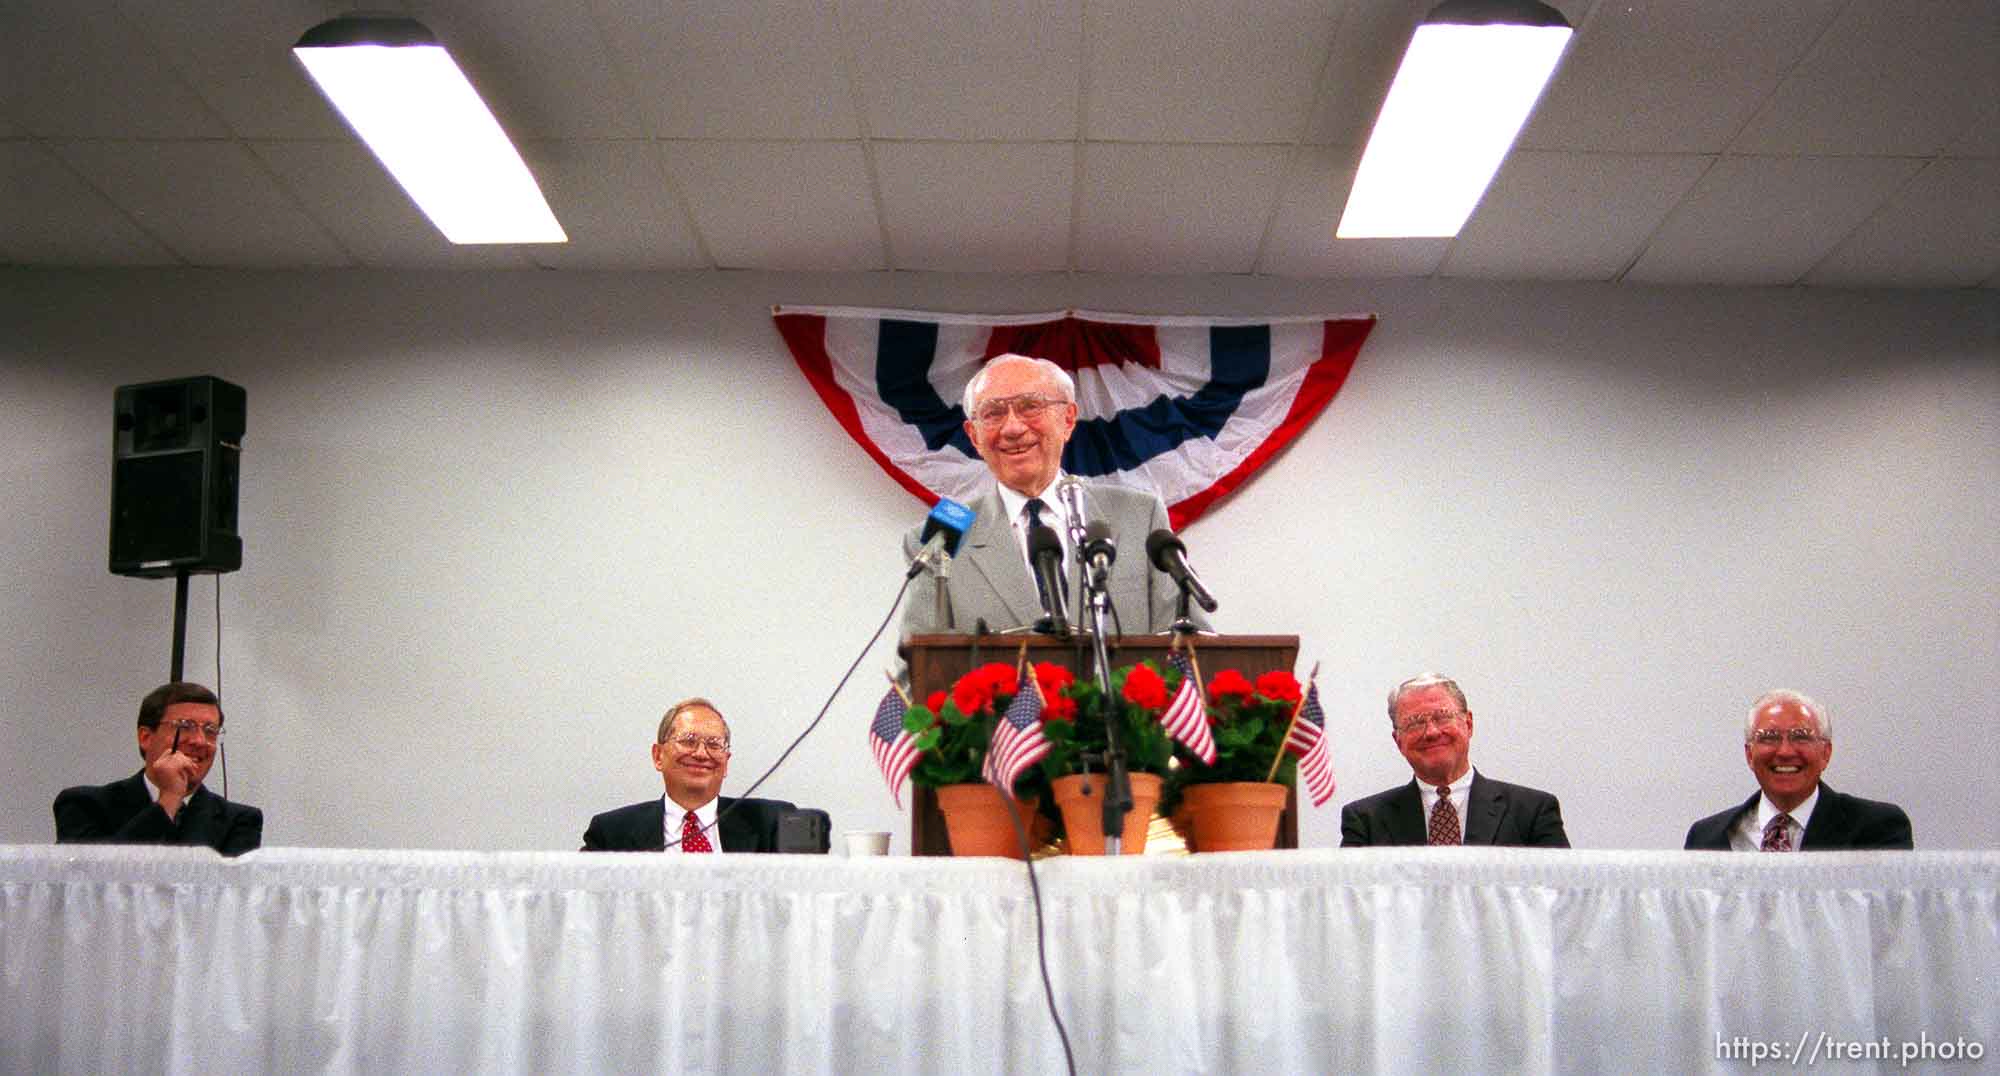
point(1300, 242)
point(540, 67)
point(614, 202)
point(1569, 216)
point(1671, 76)
point(77, 69)
point(1766, 220)
point(967, 71)
point(1368, 43)
point(1903, 78)
point(341, 184)
point(727, 70)
point(1203, 72)
point(1981, 137)
point(1176, 209)
point(212, 203)
point(977, 208)
point(1940, 231)
point(776, 205)
point(54, 218)
point(242, 66)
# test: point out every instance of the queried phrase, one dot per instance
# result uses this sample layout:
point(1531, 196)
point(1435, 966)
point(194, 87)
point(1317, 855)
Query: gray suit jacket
point(989, 578)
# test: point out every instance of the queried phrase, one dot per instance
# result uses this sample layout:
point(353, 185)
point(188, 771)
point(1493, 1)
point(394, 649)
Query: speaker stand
point(180, 623)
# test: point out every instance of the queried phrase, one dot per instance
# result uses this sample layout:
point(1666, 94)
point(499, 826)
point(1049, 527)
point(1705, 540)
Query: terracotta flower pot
point(1083, 812)
point(977, 821)
point(1235, 816)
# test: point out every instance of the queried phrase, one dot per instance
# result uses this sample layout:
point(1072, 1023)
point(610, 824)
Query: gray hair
point(1050, 370)
point(675, 711)
point(1423, 681)
point(1798, 698)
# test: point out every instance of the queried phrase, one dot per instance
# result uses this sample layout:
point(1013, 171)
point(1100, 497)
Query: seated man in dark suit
point(1449, 802)
point(692, 754)
point(180, 730)
point(1788, 740)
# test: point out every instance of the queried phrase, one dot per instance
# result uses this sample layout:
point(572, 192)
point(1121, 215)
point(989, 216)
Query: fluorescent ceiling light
point(1466, 86)
point(402, 93)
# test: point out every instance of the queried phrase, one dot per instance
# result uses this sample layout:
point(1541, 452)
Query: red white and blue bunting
point(1189, 408)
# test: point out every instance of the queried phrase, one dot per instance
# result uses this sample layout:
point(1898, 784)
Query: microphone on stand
point(1045, 554)
point(1169, 554)
point(1099, 551)
point(944, 528)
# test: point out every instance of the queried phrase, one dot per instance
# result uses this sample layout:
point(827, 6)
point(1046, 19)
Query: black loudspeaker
point(175, 454)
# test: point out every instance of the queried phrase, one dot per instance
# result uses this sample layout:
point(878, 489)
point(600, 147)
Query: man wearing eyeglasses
point(166, 802)
point(1448, 802)
point(691, 751)
point(1020, 413)
point(1788, 741)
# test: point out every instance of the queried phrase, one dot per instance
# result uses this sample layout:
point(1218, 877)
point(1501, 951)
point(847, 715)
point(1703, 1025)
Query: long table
point(1392, 960)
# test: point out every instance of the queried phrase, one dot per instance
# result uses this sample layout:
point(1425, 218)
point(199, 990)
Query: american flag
point(1186, 717)
point(1308, 741)
point(1018, 742)
point(894, 747)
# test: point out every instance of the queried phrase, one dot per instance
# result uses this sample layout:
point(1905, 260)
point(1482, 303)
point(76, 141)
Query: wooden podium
point(938, 660)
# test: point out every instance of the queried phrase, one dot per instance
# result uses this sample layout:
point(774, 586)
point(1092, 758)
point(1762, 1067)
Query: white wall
point(494, 524)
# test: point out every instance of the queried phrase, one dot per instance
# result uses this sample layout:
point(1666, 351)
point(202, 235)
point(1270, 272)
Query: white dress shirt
point(1461, 798)
point(1747, 835)
point(672, 819)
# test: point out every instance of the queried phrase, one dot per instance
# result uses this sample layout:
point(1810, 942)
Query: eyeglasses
point(1027, 407)
point(1441, 718)
point(188, 728)
point(688, 741)
point(1800, 737)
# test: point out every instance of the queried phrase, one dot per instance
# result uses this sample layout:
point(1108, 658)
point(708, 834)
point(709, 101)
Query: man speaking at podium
point(1020, 412)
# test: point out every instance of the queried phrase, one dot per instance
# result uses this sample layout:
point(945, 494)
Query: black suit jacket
point(1496, 813)
point(123, 812)
point(1839, 822)
point(751, 827)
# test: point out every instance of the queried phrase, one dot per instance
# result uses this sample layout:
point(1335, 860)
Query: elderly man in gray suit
point(1020, 412)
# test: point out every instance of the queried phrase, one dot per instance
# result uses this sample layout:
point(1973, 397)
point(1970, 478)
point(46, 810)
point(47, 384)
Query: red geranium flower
point(1229, 684)
point(1143, 687)
point(935, 702)
point(976, 690)
point(1278, 685)
point(1059, 708)
point(1053, 678)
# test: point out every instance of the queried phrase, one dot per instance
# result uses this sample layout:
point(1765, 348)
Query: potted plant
point(1075, 714)
point(953, 730)
point(1235, 802)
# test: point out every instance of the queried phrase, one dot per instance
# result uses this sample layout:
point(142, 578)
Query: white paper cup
point(862, 842)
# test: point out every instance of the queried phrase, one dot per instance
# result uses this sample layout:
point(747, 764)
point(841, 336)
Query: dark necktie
point(1444, 819)
point(1778, 835)
point(692, 838)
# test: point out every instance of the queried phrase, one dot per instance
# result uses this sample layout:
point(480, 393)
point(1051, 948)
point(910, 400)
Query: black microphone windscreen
point(1159, 543)
point(1041, 539)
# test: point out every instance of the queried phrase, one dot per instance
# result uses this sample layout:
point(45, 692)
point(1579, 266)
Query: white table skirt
point(1393, 960)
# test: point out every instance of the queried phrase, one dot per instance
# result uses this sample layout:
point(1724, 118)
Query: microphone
point(1098, 550)
point(1169, 554)
point(1045, 553)
point(944, 528)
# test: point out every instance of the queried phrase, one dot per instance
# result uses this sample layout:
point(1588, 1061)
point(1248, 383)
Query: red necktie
point(1778, 835)
point(692, 838)
point(1444, 819)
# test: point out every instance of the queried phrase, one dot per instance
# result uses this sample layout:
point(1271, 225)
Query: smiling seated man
point(1788, 741)
point(166, 802)
point(691, 751)
point(1448, 802)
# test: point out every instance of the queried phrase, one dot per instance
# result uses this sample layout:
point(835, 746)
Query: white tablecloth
point(1461, 960)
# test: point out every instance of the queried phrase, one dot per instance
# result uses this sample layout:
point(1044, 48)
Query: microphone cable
point(1013, 810)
